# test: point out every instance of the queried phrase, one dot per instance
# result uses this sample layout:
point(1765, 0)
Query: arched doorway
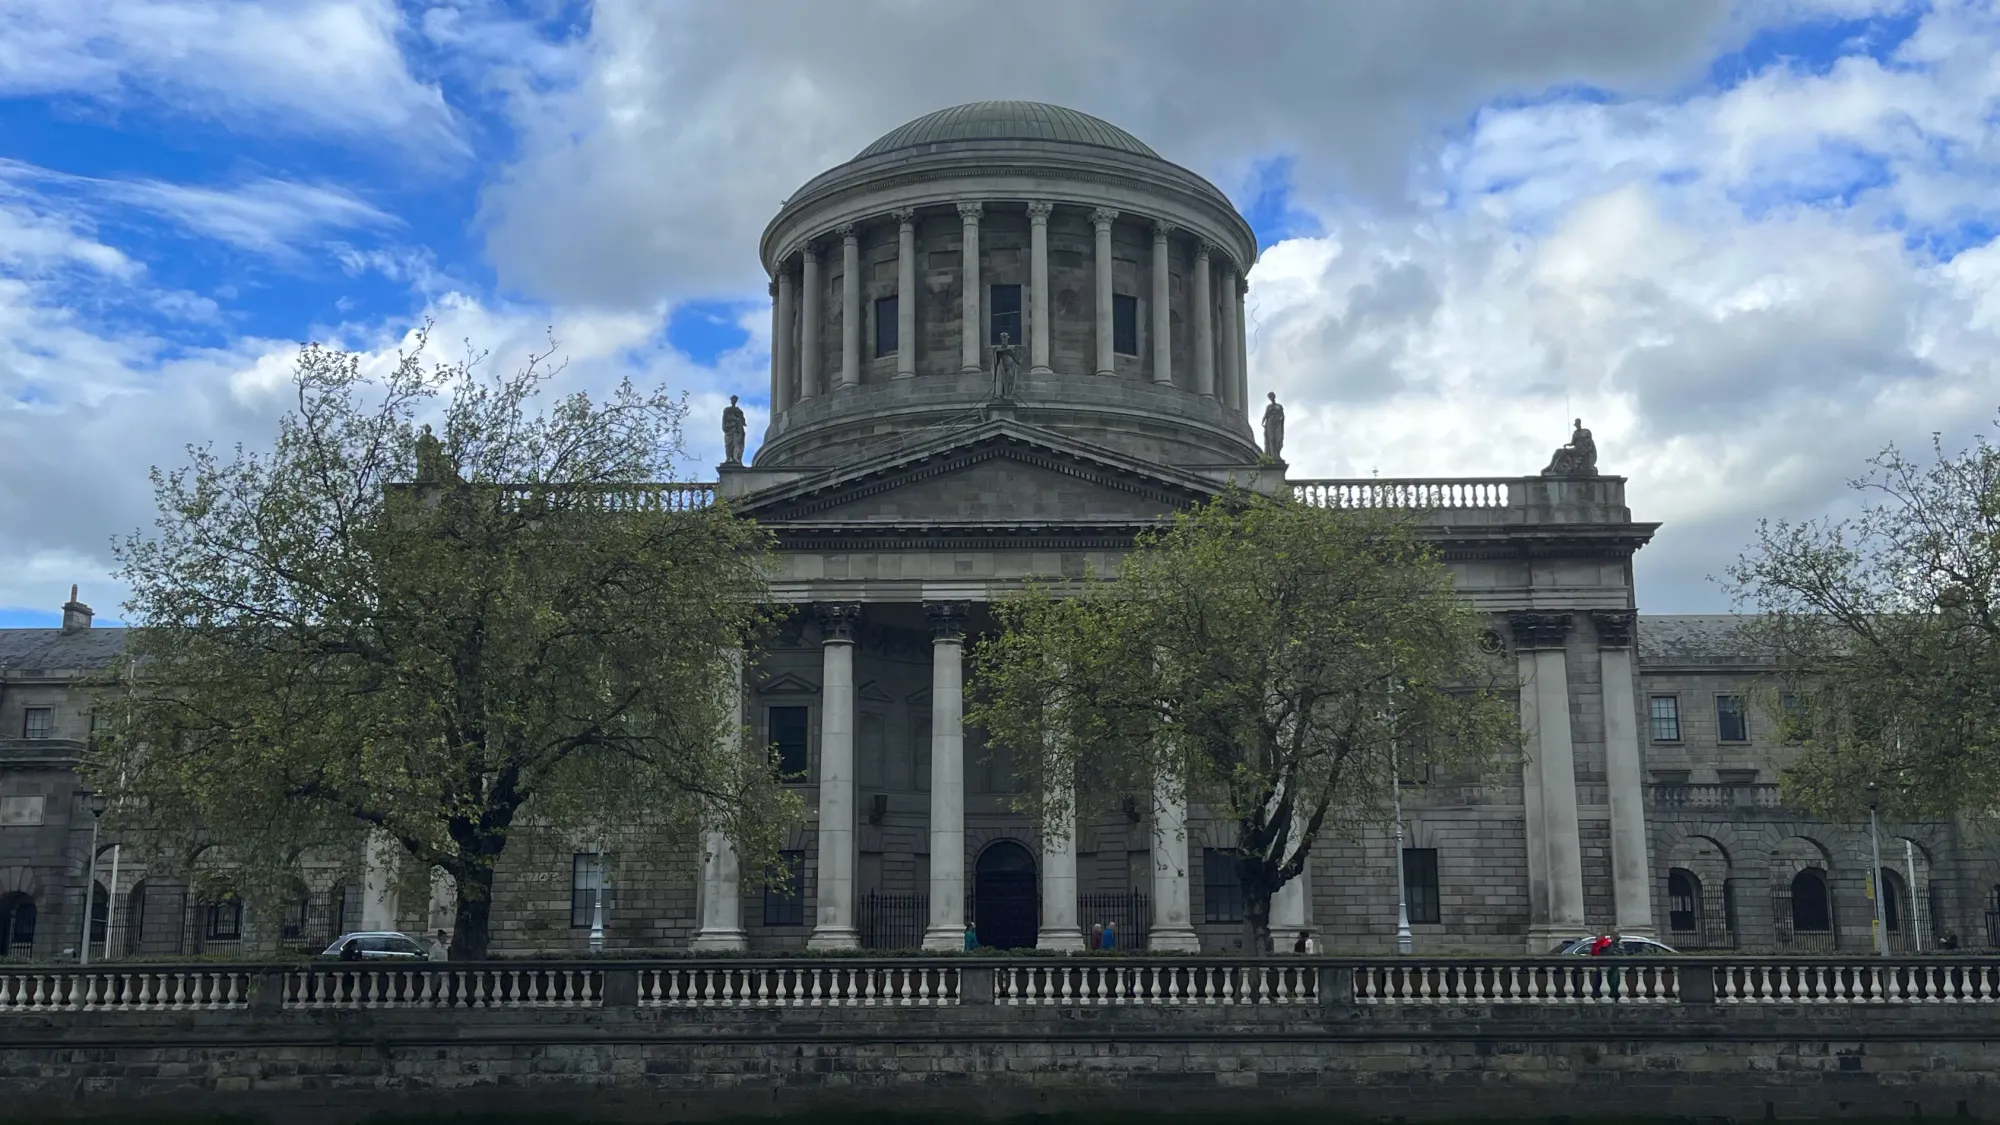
point(17, 926)
point(1005, 902)
point(1812, 912)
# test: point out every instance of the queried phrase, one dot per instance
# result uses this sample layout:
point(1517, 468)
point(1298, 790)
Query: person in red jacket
point(1601, 946)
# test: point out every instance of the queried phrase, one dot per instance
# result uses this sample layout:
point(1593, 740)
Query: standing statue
point(1274, 428)
point(1577, 459)
point(1006, 368)
point(733, 427)
point(431, 466)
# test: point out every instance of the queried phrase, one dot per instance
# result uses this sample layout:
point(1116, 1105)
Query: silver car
point(380, 945)
point(1623, 947)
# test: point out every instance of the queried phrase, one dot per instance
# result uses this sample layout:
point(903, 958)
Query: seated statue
point(1577, 459)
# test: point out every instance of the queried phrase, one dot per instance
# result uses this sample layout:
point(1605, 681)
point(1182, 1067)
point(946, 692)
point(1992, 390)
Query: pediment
point(999, 474)
point(873, 693)
point(788, 684)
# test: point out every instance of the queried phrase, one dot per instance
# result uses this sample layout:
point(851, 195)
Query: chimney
point(76, 615)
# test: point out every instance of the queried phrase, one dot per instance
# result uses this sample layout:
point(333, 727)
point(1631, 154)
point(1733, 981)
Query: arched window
point(135, 918)
point(1683, 901)
point(297, 915)
point(225, 919)
point(17, 926)
point(1894, 900)
point(1812, 913)
point(100, 914)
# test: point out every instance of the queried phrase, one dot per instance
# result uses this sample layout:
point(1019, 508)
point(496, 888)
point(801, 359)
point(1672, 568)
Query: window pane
point(1666, 718)
point(1006, 313)
point(1222, 891)
point(885, 326)
point(1125, 325)
point(1420, 885)
point(586, 883)
point(40, 722)
point(788, 734)
point(1731, 725)
point(785, 899)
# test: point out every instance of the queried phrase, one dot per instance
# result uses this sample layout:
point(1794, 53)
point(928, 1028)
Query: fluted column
point(906, 294)
point(721, 928)
point(946, 930)
point(1103, 217)
point(1038, 284)
point(1241, 339)
point(1060, 928)
point(809, 323)
point(1173, 928)
point(1163, 314)
point(1203, 304)
point(833, 913)
point(1624, 774)
point(1550, 770)
point(1231, 330)
point(783, 356)
point(777, 362)
point(971, 347)
point(850, 306)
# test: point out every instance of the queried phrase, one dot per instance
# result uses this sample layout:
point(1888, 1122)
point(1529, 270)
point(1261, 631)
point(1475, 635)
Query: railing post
point(1696, 983)
point(621, 988)
point(267, 991)
point(975, 984)
point(1336, 986)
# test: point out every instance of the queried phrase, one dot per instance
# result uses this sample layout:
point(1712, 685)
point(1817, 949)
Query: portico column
point(721, 929)
point(1291, 904)
point(809, 323)
point(1173, 930)
point(1231, 331)
point(782, 355)
point(947, 922)
point(1241, 339)
point(906, 294)
point(833, 926)
point(1544, 675)
point(1163, 314)
point(970, 352)
point(1060, 927)
point(1624, 774)
point(850, 306)
point(1204, 325)
point(777, 361)
point(1038, 285)
point(1103, 217)
point(380, 865)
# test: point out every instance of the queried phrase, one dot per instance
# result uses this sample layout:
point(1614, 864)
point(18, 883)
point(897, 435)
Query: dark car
point(1623, 947)
point(381, 945)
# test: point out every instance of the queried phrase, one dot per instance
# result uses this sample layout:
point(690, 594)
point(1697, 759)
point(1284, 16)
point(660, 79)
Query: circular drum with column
point(1012, 259)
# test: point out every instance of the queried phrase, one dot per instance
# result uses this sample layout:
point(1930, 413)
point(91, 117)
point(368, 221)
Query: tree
point(1280, 662)
point(1884, 639)
point(435, 640)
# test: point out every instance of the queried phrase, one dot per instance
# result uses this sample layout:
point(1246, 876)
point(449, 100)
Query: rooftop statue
point(1274, 428)
point(733, 427)
point(1577, 459)
point(1006, 367)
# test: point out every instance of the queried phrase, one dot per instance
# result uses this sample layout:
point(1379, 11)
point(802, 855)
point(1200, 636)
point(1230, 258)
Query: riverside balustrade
point(1079, 981)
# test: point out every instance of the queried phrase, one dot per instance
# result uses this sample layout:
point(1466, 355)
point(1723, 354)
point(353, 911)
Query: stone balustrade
point(949, 982)
point(1683, 795)
point(672, 496)
point(1417, 493)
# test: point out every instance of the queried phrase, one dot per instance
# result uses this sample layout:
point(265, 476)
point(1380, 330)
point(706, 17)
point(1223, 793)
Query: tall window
point(1221, 889)
point(100, 914)
point(1006, 313)
point(785, 892)
point(1420, 885)
point(1683, 893)
point(40, 722)
point(1798, 725)
point(225, 919)
point(1812, 913)
point(788, 734)
point(17, 926)
point(1666, 718)
point(1125, 325)
point(885, 326)
point(1731, 724)
point(586, 883)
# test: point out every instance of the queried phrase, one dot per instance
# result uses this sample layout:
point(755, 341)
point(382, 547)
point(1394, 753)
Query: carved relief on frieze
point(1533, 630)
point(837, 620)
point(1614, 627)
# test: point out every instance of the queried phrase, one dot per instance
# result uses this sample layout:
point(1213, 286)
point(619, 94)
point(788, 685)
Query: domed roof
point(1008, 121)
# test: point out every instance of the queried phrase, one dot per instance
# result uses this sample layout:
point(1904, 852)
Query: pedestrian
point(1110, 935)
point(1601, 946)
point(442, 950)
point(1304, 944)
point(351, 950)
point(1097, 936)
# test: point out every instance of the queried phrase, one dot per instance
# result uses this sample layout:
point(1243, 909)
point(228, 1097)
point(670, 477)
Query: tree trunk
point(471, 926)
point(1257, 919)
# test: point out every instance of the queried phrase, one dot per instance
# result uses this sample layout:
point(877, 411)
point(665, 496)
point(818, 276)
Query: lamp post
point(597, 907)
point(1875, 875)
point(95, 803)
point(1405, 941)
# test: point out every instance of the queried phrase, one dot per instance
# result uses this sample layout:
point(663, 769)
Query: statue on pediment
point(1006, 367)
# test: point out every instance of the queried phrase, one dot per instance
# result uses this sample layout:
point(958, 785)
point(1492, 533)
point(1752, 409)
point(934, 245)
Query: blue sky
point(1751, 242)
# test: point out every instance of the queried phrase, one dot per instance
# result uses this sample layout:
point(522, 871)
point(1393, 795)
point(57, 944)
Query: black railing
point(893, 922)
point(1131, 912)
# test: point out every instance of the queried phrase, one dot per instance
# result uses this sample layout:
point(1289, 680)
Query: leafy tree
point(1281, 662)
point(440, 639)
point(1884, 629)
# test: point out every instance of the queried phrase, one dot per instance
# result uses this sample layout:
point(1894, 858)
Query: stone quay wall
point(708, 1039)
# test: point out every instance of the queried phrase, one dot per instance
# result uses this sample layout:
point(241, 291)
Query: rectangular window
point(1798, 724)
point(1731, 723)
point(1221, 889)
point(39, 723)
point(1005, 313)
point(586, 883)
point(1666, 718)
point(1420, 885)
point(1125, 325)
point(788, 734)
point(225, 920)
point(885, 326)
point(785, 892)
point(21, 812)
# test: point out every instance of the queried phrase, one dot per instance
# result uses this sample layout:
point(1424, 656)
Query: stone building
point(1005, 338)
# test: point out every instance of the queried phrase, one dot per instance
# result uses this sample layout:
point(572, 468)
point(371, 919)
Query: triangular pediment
point(873, 693)
point(788, 684)
point(1001, 473)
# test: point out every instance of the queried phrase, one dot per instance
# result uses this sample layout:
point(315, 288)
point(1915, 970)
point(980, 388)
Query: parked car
point(381, 945)
point(1623, 947)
